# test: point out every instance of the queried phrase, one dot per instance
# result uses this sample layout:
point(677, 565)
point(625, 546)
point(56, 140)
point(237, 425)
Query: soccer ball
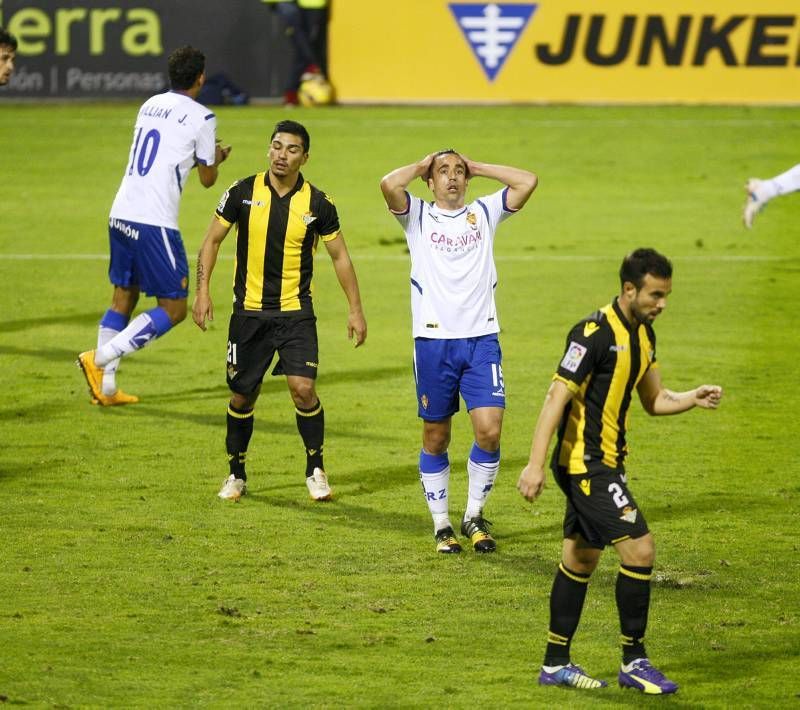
point(315, 92)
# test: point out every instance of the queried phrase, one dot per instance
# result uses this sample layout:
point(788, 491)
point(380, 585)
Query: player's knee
point(435, 441)
point(178, 313)
point(303, 393)
point(640, 554)
point(243, 401)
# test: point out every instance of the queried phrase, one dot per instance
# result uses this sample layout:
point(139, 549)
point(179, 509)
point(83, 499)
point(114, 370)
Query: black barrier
point(115, 49)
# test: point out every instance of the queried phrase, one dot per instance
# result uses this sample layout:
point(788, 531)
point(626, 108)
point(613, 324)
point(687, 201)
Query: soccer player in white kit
point(759, 192)
point(173, 134)
point(455, 325)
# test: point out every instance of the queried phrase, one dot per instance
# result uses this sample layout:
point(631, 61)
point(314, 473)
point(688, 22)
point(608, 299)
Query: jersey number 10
point(144, 151)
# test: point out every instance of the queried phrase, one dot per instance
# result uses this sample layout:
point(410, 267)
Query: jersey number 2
point(144, 151)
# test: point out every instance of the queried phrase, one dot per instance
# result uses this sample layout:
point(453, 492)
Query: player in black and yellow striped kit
point(609, 356)
point(280, 219)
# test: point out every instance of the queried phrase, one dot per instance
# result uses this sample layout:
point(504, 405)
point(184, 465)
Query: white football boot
point(233, 488)
point(318, 487)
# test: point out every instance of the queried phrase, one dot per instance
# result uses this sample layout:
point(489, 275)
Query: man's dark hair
point(185, 65)
point(7, 39)
point(296, 129)
point(639, 263)
point(439, 154)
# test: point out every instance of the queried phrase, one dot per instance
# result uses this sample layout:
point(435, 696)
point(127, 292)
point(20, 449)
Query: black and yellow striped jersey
point(605, 359)
point(275, 243)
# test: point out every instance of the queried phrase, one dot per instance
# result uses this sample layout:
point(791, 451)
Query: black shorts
point(600, 507)
point(253, 342)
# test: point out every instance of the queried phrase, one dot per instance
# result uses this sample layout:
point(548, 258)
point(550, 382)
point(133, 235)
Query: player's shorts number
point(619, 498)
point(232, 353)
point(497, 375)
point(144, 151)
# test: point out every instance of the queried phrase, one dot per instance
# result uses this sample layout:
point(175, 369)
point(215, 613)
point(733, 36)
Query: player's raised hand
point(708, 396)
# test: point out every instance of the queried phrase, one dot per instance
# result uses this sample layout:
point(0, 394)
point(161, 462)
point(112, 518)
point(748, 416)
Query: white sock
point(436, 487)
point(481, 481)
point(105, 335)
point(138, 333)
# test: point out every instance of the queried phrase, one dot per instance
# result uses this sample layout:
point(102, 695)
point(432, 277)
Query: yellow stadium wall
point(731, 51)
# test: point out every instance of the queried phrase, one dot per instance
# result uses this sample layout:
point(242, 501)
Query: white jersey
point(453, 276)
point(172, 131)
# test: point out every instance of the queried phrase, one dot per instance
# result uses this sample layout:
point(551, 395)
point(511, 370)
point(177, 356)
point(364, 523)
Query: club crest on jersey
point(472, 220)
point(308, 218)
point(492, 30)
point(586, 486)
point(628, 514)
point(573, 357)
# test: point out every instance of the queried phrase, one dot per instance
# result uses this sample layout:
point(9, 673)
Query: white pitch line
point(404, 257)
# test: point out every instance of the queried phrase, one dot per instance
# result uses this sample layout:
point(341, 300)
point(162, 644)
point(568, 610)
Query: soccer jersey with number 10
point(172, 131)
point(453, 276)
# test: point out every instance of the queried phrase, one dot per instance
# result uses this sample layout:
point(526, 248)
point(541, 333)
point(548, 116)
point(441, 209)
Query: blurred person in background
point(759, 192)
point(8, 53)
point(306, 23)
point(172, 135)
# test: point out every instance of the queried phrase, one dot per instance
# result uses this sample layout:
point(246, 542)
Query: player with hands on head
point(455, 324)
point(608, 355)
point(280, 219)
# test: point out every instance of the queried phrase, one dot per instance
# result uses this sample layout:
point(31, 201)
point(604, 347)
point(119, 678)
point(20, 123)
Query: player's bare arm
point(394, 184)
point(346, 274)
point(657, 400)
point(202, 307)
point(208, 173)
point(532, 479)
point(521, 183)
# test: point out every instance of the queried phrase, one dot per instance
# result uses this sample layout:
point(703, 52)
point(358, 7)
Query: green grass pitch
point(126, 582)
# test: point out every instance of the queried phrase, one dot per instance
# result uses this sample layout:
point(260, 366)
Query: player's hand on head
point(708, 396)
point(423, 166)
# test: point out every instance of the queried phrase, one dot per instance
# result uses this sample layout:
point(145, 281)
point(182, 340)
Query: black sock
point(566, 604)
point(633, 603)
point(240, 429)
point(311, 425)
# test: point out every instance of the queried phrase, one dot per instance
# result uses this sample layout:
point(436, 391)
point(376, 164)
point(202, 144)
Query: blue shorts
point(443, 369)
point(152, 258)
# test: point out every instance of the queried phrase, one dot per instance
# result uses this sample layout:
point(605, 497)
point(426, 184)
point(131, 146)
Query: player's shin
point(311, 425)
point(482, 468)
point(111, 325)
point(139, 332)
point(633, 604)
point(566, 604)
point(434, 474)
point(240, 429)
